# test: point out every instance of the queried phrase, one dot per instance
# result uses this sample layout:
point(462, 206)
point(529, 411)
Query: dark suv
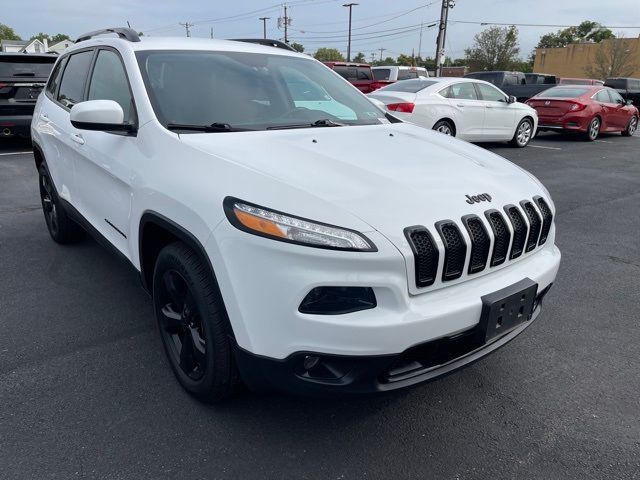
point(629, 88)
point(22, 78)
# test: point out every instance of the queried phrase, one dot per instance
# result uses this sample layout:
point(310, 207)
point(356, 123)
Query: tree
point(59, 37)
point(298, 47)
point(328, 55)
point(7, 33)
point(587, 31)
point(41, 36)
point(614, 58)
point(360, 58)
point(495, 48)
point(406, 60)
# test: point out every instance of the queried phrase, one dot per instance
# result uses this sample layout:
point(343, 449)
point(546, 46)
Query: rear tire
point(61, 228)
point(193, 324)
point(523, 134)
point(445, 126)
point(593, 130)
point(631, 127)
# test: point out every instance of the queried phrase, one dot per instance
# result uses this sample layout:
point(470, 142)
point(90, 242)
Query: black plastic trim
point(407, 233)
point(547, 221)
point(267, 42)
point(106, 127)
point(498, 261)
point(228, 210)
point(474, 245)
point(531, 242)
point(515, 254)
point(122, 32)
point(457, 274)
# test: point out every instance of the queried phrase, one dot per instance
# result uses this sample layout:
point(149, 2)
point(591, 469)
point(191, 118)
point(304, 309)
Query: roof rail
point(122, 32)
point(267, 42)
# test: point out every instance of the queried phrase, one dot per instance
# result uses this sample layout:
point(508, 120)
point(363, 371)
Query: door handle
point(43, 116)
point(76, 137)
point(461, 105)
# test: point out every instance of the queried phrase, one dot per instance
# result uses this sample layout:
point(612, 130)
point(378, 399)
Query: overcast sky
point(393, 25)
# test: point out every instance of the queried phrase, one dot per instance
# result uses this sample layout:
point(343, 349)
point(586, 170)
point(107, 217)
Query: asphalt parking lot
point(86, 392)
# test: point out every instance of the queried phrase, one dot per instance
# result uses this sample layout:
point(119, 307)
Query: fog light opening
point(310, 362)
point(338, 300)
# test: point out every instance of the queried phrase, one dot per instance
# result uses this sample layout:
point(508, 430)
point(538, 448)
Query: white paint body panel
point(374, 179)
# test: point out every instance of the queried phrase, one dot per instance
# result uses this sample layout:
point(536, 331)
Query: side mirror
point(100, 115)
point(629, 102)
point(512, 99)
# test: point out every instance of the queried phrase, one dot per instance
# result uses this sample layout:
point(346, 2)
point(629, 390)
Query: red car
point(358, 74)
point(585, 109)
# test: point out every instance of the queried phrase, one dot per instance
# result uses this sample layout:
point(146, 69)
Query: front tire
point(61, 228)
point(631, 127)
point(593, 130)
point(523, 134)
point(444, 126)
point(193, 324)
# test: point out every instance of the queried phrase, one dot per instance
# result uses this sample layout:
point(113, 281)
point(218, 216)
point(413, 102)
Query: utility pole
point(381, 50)
point(211, 33)
point(286, 23)
point(442, 34)
point(373, 57)
point(350, 6)
point(264, 26)
point(187, 27)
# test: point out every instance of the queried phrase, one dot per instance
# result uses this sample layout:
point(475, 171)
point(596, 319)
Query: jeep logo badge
point(482, 197)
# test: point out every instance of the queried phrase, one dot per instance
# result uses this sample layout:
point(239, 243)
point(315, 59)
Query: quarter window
point(490, 93)
point(109, 82)
point(74, 78)
point(615, 97)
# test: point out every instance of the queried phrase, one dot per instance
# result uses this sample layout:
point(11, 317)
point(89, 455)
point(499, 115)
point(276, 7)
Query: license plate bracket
point(507, 308)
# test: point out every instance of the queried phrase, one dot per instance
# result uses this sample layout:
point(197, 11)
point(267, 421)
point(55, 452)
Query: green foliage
point(41, 36)
point(328, 55)
point(59, 37)
point(360, 58)
point(587, 31)
point(406, 60)
point(298, 47)
point(495, 48)
point(7, 33)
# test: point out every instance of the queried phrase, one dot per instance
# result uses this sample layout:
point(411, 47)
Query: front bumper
point(335, 374)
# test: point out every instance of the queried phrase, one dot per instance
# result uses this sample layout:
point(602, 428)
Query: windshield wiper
point(324, 122)
point(214, 127)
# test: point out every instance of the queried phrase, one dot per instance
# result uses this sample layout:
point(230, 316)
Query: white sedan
point(469, 109)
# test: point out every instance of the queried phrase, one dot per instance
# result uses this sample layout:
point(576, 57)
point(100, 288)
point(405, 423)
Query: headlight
point(288, 228)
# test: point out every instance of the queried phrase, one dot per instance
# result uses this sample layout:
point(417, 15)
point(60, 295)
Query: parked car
point(512, 83)
point(290, 247)
point(629, 88)
point(586, 109)
point(469, 109)
point(22, 78)
point(580, 81)
point(358, 74)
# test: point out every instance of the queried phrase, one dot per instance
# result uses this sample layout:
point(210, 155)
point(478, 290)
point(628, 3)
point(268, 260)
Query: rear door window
point(54, 79)
point(615, 96)
point(602, 96)
point(74, 78)
point(462, 91)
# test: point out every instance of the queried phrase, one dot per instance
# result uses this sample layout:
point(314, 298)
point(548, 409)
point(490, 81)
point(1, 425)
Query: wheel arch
point(448, 120)
point(38, 155)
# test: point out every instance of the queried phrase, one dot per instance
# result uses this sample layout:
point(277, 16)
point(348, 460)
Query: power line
point(187, 27)
point(536, 24)
point(417, 26)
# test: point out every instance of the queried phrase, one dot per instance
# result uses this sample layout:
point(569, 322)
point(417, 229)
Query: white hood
point(390, 176)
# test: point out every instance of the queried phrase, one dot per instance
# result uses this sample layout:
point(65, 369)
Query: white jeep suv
point(287, 244)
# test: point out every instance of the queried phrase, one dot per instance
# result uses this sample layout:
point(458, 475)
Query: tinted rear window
point(25, 66)
point(382, 73)
point(564, 92)
point(406, 74)
point(364, 73)
point(495, 78)
point(410, 86)
point(352, 73)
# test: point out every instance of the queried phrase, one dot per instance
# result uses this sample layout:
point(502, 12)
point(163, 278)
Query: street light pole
point(350, 5)
point(264, 26)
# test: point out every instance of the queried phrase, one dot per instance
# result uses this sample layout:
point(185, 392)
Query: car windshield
point(564, 92)
point(410, 86)
point(248, 91)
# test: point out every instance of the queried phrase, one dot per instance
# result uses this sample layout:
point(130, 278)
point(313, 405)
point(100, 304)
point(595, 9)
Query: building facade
point(574, 60)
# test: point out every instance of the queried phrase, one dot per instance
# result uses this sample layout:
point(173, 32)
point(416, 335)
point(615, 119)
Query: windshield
point(410, 86)
point(249, 91)
point(564, 92)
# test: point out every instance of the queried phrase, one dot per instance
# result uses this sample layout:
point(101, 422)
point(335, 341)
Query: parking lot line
point(13, 153)
point(542, 146)
point(603, 141)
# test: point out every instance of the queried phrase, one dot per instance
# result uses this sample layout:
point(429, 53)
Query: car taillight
point(2, 85)
point(401, 107)
point(576, 107)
